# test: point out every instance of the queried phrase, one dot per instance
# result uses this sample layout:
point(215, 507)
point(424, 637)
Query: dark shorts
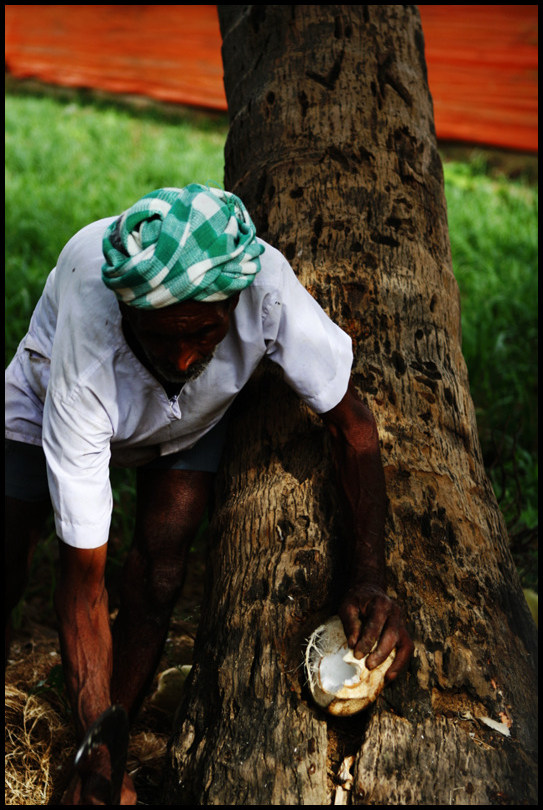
point(26, 472)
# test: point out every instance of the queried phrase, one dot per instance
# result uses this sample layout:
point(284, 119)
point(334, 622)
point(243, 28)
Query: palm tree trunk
point(332, 148)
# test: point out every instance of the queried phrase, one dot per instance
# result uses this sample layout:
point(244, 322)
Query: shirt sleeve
point(314, 353)
point(77, 450)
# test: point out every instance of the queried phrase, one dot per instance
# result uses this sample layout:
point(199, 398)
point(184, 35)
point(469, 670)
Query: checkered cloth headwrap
point(176, 244)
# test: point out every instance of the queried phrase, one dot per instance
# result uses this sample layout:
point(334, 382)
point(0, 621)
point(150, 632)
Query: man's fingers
point(388, 641)
point(349, 614)
point(403, 654)
point(128, 794)
point(377, 621)
point(369, 638)
point(381, 612)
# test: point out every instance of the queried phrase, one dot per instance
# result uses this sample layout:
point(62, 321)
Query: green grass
point(494, 242)
point(69, 162)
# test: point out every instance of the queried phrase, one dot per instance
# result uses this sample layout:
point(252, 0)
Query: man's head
point(177, 261)
point(194, 243)
point(179, 341)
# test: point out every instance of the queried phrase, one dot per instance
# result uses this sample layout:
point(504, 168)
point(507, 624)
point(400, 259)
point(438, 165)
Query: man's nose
point(188, 355)
point(186, 358)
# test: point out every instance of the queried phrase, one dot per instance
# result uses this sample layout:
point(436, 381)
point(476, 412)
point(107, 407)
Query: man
point(147, 329)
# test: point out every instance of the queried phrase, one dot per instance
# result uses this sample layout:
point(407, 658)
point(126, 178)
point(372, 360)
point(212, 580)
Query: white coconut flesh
point(339, 682)
point(336, 673)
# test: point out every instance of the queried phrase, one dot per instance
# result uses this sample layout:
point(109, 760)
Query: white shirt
point(76, 387)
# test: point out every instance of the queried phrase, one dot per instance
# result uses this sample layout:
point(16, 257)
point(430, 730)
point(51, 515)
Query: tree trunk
point(332, 148)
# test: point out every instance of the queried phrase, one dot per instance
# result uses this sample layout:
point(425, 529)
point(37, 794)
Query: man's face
point(178, 341)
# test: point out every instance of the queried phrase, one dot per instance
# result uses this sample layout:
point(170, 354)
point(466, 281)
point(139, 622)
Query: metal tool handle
point(111, 730)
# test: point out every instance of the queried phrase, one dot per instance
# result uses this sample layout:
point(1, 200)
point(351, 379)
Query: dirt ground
point(40, 743)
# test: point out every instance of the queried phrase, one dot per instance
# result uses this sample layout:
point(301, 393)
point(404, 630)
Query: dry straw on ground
point(39, 737)
point(40, 742)
point(40, 748)
point(38, 733)
point(37, 742)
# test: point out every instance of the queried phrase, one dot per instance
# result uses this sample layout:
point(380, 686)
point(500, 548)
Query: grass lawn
point(493, 226)
point(69, 162)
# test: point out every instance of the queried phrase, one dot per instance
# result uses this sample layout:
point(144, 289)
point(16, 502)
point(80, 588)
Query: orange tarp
point(482, 60)
point(482, 72)
point(171, 53)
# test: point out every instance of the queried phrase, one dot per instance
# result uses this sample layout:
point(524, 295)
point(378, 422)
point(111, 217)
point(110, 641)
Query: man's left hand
point(371, 618)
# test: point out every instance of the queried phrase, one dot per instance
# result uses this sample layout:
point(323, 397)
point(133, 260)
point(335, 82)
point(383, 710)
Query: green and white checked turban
point(177, 244)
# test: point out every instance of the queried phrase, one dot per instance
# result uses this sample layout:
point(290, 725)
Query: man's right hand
point(93, 788)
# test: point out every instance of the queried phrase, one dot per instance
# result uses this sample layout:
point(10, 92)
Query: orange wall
point(482, 60)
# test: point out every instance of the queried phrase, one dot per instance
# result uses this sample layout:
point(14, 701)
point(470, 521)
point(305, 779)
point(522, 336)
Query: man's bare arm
point(82, 608)
point(85, 637)
point(368, 614)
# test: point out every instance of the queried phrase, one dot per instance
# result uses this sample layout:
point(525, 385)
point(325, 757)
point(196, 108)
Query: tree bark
point(332, 148)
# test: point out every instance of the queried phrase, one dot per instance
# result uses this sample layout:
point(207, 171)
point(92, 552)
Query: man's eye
point(205, 331)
